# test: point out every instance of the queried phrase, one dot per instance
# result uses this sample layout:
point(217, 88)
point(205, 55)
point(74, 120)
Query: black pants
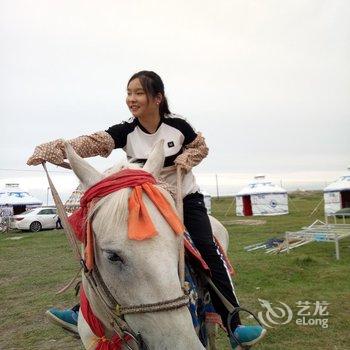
point(198, 225)
point(58, 224)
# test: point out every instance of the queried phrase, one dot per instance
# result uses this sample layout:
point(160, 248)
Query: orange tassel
point(164, 207)
point(140, 225)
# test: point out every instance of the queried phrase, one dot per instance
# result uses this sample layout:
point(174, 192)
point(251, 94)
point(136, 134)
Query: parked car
point(35, 219)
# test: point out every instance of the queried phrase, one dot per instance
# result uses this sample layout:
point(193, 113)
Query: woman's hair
point(153, 85)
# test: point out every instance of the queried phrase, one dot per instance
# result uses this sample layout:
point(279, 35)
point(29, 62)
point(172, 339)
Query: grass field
point(35, 267)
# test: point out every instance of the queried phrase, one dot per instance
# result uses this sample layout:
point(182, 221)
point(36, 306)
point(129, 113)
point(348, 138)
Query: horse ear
point(155, 161)
point(87, 175)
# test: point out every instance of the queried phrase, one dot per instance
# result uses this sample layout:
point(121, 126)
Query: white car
point(35, 219)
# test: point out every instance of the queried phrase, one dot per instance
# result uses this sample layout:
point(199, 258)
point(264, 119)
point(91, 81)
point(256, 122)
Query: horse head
point(136, 272)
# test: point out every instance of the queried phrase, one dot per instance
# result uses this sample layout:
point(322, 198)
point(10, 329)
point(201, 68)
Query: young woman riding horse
point(152, 121)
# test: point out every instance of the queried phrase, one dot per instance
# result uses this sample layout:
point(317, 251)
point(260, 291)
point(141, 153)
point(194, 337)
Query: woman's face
point(138, 102)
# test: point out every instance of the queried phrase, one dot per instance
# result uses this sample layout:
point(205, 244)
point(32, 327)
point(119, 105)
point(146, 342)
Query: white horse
point(138, 272)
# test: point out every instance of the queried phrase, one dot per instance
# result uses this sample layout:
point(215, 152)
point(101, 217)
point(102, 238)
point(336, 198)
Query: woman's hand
point(52, 152)
point(193, 154)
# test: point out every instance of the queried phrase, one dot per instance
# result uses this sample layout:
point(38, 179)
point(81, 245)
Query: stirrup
point(229, 329)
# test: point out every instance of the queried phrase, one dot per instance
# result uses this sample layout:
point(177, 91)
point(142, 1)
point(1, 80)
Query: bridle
point(114, 311)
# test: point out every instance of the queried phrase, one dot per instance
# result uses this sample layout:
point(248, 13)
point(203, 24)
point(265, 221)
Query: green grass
point(309, 273)
point(36, 266)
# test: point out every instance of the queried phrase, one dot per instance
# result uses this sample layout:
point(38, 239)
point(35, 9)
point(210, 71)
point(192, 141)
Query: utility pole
point(47, 196)
point(217, 186)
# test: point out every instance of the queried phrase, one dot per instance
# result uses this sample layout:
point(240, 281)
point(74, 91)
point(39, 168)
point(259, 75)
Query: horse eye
point(113, 256)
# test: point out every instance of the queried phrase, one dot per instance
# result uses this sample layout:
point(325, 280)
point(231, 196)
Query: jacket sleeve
point(193, 153)
point(99, 143)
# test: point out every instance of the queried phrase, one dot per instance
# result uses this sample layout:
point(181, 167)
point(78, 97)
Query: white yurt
point(337, 194)
point(14, 200)
point(261, 197)
point(73, 202)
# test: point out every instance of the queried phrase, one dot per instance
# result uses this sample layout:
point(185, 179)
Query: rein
point(113, 310)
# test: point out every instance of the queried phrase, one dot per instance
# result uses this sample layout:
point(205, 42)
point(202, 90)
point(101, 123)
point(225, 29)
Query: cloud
point(266, 82)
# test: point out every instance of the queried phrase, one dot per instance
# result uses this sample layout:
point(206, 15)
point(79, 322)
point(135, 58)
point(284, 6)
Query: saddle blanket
point(194, 252)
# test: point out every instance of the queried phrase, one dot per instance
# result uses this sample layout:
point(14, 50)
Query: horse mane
point(116, 205)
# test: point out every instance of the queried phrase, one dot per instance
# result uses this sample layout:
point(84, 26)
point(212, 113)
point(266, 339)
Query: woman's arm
point(99, 143)
point(193, 153)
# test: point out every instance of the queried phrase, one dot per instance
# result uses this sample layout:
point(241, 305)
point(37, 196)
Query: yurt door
point(247, 206)
point(345, 199)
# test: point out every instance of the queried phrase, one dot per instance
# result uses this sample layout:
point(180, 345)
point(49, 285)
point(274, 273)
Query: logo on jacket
point(171, 144)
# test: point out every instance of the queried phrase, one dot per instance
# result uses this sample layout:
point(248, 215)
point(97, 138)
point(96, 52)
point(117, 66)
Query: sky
point(266, 82)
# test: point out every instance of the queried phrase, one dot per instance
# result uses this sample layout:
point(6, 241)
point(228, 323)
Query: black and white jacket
point(138, 143)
